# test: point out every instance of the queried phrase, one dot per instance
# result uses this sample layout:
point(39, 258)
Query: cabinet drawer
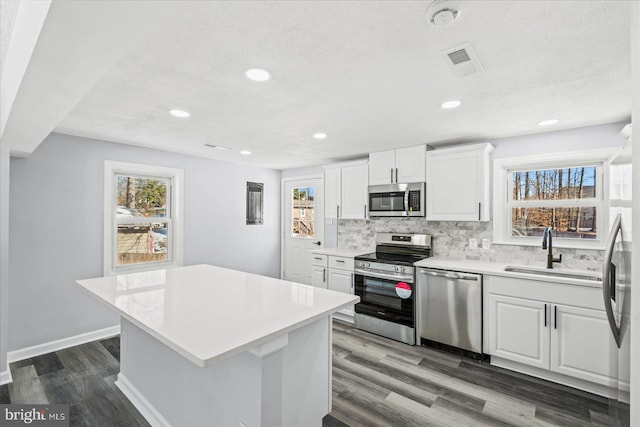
point(319, 260)
point(342, 263)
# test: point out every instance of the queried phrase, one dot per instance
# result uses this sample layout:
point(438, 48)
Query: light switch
point(486, 243)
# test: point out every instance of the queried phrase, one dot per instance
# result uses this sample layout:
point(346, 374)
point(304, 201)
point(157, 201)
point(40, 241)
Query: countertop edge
point(205, 362)
point(497, 269)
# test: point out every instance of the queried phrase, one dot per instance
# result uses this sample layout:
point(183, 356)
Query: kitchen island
point(204, 345)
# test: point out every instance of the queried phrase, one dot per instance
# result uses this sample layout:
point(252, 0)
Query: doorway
point(302, 225)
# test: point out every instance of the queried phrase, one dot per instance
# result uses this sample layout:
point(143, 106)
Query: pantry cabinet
point(397, 166)
point(458, 183)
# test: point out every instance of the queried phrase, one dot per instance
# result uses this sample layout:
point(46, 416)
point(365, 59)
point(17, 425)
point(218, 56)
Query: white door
point(579, 339)
point(332, 188)
point(354, 192)
point(341, 281)
point(303, 228)
point(411, 164)
point(382, 167)
point(519, 330)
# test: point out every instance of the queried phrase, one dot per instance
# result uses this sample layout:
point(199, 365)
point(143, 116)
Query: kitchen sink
point(581, 275)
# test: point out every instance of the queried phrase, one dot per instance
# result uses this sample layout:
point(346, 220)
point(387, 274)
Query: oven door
point(386, 297)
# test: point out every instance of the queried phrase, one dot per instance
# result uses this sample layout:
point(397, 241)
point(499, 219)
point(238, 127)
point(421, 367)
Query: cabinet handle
point(555, 317)
point(337, 211)
point(391, 175)
point(340, 260)
point(365, 212)
point(353, 279)
point(396, 175)
point(324, 275)
point(479, 210)
point(545, 315)
point(318, 258)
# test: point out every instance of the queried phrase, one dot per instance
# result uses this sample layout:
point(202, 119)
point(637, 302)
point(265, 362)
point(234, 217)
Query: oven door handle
point(399, 277)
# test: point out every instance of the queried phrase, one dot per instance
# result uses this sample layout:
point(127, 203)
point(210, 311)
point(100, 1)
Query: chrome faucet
point(547, 243)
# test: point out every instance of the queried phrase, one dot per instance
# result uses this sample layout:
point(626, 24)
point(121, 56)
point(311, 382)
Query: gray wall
point(4, 255)
point(57, 229)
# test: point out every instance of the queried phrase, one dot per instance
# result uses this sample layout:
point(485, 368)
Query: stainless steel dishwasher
point(449, 308)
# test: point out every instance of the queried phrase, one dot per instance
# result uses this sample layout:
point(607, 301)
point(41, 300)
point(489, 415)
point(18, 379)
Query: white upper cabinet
point(346, 190)
point(458, 184)
point(354, 192)
point(410, 164)
point(397, 166)
point(332, 187)
point(382, 167)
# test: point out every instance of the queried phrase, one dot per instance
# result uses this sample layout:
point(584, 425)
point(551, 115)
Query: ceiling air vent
point(463, 60)
point(217, 147)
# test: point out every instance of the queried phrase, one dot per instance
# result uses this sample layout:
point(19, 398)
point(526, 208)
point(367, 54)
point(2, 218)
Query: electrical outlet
point(486, 243)
point(473, 243)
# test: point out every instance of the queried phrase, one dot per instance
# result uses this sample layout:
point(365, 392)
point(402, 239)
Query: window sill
point(595, 247)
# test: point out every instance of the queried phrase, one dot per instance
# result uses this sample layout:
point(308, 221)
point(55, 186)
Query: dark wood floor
point(376, 382)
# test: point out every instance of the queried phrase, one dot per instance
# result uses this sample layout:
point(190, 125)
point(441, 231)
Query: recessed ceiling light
point(257, 74)
point(451, 104)
point(245, 152)
point(550, 122)
point(179, 113)
point(320, 135)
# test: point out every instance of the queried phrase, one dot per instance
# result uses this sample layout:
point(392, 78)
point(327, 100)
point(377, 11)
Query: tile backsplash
point(451, 239)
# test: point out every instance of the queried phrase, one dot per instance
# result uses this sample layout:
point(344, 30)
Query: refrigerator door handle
point(607, 278)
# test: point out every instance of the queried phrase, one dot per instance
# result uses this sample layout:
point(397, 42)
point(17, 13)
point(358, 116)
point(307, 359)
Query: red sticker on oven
point(403, 290)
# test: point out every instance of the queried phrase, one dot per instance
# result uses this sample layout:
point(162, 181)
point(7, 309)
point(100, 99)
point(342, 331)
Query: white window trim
point(502, 185)
point(177, 208)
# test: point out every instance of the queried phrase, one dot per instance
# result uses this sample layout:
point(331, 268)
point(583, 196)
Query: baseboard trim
point(148, 411)
point(5, 376)
point(49, 347)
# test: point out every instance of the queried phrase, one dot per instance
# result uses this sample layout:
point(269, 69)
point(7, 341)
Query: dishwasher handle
point(449, 274)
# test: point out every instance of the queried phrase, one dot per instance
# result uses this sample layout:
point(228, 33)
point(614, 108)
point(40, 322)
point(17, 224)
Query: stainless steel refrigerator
point(616, 286)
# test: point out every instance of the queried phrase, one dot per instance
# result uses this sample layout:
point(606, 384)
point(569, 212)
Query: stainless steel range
point(385, 281)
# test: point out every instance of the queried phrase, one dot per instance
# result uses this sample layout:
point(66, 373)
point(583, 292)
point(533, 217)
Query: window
point(303, 199)
point(564, 192)
point(143, 226)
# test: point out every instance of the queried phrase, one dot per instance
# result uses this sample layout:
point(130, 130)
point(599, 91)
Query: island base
point(283, 382)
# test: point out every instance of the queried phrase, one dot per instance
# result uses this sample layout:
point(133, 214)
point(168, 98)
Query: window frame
point(503, 196)
point(175, 226)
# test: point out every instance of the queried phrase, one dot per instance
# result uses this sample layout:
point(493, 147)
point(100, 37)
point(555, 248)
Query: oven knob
point(398, 269)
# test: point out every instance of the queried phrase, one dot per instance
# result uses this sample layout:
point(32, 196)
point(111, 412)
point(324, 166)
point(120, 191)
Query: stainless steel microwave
point(397, 199)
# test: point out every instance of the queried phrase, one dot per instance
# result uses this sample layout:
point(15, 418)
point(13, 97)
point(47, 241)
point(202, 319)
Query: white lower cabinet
point(519, 330)
point(579, 343)
point(342, 281)
point(341, 278)
point(540, 324)
point(319, 270)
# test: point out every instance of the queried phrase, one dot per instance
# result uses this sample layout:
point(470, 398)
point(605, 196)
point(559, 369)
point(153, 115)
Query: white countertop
point(209, 313)
point(349, 253)
point(497, 269)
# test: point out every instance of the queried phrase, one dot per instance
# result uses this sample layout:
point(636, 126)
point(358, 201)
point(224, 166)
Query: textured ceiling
point(369, 74)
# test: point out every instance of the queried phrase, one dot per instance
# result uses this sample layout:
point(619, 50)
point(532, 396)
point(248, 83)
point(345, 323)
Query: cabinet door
point(354, 192)
point(341, 281)
point(458, 185)
point(410, 164)
point(580, 343)
point(382, 167)
point(519, 330)
point(319, 277)
point(331, 192)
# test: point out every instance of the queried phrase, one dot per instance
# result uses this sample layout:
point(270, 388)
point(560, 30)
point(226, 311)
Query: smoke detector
point(442, 13)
